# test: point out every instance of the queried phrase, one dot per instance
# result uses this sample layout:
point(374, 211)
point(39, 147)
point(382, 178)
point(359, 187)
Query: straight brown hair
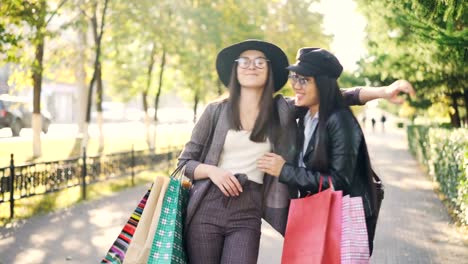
point(267, 122)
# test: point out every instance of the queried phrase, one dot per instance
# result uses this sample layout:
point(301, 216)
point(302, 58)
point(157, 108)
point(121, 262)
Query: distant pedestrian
point(383, 119)
point(373, 124)
point(363, 121)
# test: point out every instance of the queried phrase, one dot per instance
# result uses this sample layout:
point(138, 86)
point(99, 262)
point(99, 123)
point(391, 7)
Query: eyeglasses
point(298, 79)
point(245, 62)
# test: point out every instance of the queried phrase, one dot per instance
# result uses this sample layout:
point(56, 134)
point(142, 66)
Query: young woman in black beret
point(330, 141)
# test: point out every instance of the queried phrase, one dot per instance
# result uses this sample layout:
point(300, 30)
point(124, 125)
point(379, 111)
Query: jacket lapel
point(310, 147)
point(219, 137)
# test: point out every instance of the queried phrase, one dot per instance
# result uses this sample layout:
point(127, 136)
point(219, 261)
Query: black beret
point(316, 62)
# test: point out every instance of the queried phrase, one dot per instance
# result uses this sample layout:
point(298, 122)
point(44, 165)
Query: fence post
point(133, 166)
point(12, 186)
point(83, 175)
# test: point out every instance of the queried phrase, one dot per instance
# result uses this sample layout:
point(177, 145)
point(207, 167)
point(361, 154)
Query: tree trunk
point(455, 117)
point(465, 99)
point(37, 81)
point(149, 74)
point(97, 76)
point(144, 97)
point(158, 94)
point(100, 123)
point(82, 88)
point(196, 100)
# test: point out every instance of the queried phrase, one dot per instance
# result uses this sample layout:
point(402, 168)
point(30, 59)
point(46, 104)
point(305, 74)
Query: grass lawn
point(59, 149)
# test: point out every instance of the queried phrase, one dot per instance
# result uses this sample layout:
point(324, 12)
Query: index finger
point(236, 183)
point(407, 87)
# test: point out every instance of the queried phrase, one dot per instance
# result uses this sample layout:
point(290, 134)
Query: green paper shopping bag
point(168, 243)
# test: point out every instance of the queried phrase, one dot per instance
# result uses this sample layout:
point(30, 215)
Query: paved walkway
point(413, 227)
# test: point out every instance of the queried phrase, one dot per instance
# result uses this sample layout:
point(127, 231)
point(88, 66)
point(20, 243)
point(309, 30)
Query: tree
point(140, 60)
point(35, 15)
point(423, 41)
point(98, 31)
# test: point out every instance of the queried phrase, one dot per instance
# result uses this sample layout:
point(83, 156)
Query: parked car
point(16, 113)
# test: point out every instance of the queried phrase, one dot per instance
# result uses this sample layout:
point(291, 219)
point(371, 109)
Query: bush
point(417, 141)
point(444, 153)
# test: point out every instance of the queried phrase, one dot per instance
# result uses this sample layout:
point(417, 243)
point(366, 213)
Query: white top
point(240, 154)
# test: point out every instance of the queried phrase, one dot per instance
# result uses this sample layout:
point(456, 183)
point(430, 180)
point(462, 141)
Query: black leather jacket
point(347, 165)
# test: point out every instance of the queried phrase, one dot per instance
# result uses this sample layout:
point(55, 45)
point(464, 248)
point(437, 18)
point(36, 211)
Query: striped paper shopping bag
point(354, 240)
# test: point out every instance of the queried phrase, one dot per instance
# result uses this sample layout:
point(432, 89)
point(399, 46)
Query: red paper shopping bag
point(332, 251)
point(313, 231)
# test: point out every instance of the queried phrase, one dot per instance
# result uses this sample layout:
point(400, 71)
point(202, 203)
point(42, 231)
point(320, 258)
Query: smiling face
point(252, 76)
point(306, 91)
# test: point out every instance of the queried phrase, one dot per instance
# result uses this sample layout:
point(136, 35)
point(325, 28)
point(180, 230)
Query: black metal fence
point(17, 182)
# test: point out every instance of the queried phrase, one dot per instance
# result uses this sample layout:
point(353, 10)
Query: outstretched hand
point(391, 92)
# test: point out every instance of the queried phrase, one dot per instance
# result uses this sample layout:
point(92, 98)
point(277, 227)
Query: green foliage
point(190, 31)
point(417, 141)
point(348, 79)
point(448, 164)
point(445, 154)
point(422, 41)
point(137, 32)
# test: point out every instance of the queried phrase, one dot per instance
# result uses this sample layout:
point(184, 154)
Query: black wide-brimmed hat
point(277, 57)
point(316, 62)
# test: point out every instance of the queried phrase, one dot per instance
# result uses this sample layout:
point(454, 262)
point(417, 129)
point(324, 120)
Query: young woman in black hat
point(223, 219)
point(330, 141)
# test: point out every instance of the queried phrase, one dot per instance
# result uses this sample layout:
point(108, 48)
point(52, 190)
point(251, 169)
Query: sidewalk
point(413, 227)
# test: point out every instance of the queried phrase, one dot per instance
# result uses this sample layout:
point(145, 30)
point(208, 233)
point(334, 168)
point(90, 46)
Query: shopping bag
point(138, 251)
point(168, 243)
point(116, 253)
point(332, 250)
point(354, 240)
point(313, 230)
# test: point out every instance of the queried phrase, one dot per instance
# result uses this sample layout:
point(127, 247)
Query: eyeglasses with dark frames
point(259, 63)
point(298, 79)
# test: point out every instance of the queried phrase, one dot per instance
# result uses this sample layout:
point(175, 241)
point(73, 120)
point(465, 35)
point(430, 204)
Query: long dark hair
point(267, 122)
point(331, 100)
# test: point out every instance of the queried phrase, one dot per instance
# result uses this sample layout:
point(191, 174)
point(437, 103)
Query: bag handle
point(179, 171)
point(329, 182)
point(321, 184)
point(179, 175)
